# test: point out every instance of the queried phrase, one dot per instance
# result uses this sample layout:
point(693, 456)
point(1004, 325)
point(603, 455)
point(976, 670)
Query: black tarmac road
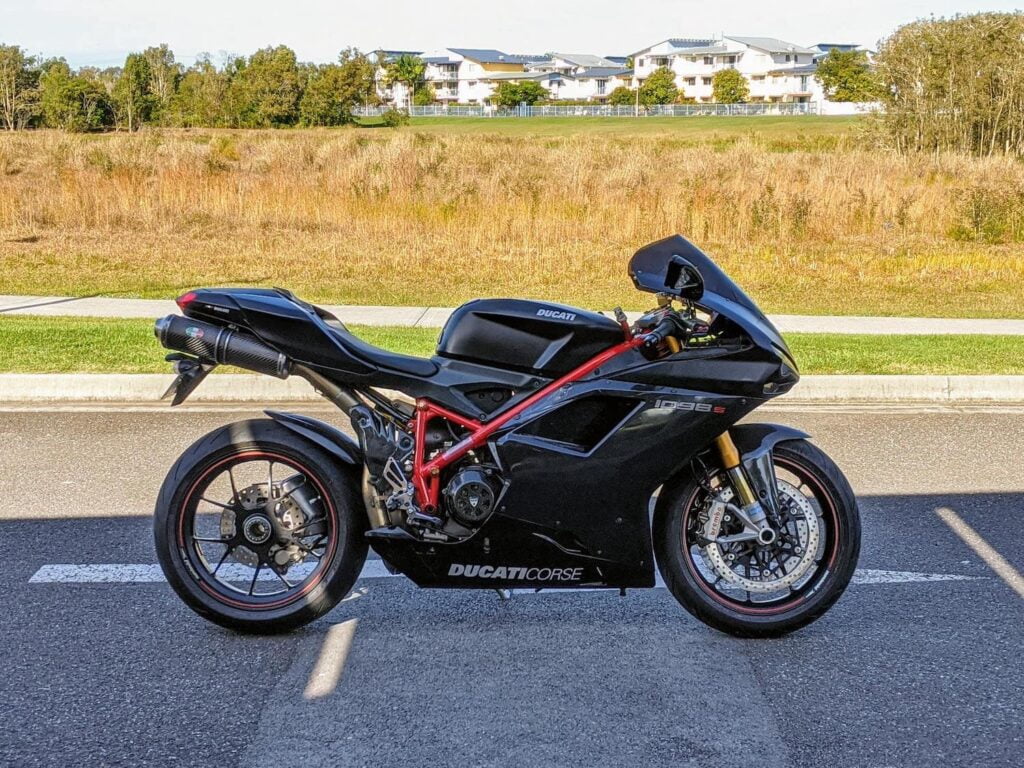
point(902, 672)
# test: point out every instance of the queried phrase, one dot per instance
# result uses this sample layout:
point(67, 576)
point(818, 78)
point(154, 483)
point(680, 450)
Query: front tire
point(698, 574)
point(259, 530)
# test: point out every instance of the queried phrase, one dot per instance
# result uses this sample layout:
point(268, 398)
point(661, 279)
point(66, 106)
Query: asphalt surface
point(900, 674)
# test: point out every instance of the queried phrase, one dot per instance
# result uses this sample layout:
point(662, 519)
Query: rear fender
point(331, 439)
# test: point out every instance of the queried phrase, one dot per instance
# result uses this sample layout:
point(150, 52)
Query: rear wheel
point(259, 530)
point(750, 589)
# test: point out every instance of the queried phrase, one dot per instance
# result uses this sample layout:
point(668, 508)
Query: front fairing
point(722, 299)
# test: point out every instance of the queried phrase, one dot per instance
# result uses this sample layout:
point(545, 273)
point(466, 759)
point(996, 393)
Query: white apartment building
point(582, 76)
point(470, 75)
point(394, 93)
point(777, 71)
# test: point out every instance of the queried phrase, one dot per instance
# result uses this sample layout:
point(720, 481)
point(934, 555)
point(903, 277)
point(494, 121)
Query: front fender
point(331, 439)
point(755, 443)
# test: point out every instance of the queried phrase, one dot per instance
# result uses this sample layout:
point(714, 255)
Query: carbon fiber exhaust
point(217, 344)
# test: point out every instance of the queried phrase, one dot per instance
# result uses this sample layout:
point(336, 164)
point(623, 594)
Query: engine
point(471, 494)
point(467, 499)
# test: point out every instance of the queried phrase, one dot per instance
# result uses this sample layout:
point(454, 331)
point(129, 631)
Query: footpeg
point(419, 519)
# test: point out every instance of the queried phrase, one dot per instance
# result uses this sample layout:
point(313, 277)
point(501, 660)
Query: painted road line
point(326, 673)
point(145, 573)
point(983, 549)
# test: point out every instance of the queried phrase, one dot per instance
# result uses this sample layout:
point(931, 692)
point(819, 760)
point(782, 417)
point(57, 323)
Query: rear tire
point(344, 519)
point(840, 517)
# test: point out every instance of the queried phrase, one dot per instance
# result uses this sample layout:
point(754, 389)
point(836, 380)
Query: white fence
point(602, 110)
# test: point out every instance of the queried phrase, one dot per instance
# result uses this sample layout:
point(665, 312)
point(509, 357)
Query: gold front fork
point(731, 462)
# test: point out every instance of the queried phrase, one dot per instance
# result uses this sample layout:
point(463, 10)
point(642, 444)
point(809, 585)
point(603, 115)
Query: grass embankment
point(801, 213)
point(63, 345)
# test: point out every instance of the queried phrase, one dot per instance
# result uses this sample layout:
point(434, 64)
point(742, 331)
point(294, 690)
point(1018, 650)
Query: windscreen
point(648, 266)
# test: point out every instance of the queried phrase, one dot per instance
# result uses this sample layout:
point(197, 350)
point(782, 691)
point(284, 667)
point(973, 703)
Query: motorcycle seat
point(381, 358)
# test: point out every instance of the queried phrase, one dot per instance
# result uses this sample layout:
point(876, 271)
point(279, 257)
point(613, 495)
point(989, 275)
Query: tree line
point(944, 84)
point(268, 89)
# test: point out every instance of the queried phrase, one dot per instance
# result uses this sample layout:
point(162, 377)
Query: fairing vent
point(582, 425)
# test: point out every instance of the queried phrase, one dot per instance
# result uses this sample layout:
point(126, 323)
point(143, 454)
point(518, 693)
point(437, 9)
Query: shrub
point(395, 118)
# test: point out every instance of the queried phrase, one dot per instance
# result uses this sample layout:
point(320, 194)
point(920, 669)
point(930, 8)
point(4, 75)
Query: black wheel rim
point(257, 530)
point(766, 563)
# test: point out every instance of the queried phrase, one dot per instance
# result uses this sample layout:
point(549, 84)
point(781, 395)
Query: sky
point(101, 32)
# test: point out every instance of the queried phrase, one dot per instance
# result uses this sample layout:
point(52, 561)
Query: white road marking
point(144, 573)
point(323, 679)
point(983, 549)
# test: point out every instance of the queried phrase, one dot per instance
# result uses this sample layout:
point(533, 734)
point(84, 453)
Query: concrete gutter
point(252, 388)
point(435, 317)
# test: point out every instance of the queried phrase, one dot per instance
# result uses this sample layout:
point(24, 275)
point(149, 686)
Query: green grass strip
point(92, 345)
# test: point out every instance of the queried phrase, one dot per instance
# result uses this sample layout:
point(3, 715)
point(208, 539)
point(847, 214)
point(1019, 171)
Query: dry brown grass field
point(815, 223)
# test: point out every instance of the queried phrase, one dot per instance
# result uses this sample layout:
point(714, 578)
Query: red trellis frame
point(426, 476)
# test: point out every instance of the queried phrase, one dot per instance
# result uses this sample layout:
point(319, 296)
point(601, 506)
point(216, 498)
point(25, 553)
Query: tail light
point(185, 300)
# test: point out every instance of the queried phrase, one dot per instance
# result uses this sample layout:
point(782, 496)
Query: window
point(640, 62)
point(600, 86)
point(730, 59)
point(803, 82)
point(787, 57)
point(757, 77)
point(706, 80)
point(691, 81)
point(796, 59)
point(661, 61)
point(709, 60)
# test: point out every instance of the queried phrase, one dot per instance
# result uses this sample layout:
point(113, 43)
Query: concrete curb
point(251, 388)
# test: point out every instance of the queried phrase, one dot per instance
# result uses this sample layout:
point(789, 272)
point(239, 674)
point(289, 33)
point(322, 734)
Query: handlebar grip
point(661, 331)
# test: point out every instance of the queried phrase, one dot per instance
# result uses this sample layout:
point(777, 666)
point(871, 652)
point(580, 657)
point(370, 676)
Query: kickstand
point(504, 594)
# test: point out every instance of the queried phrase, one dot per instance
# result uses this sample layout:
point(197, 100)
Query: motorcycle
point(529, 452)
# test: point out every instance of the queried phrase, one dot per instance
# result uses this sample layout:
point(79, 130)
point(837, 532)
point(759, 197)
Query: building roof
point(677, 42)
point(618, 59)
point(803, 69)
point(601, 72)
point(841, 46)
point(529, 58)
point(484, 55)
point(703, 49)
point(770, 44)
point(523, 76)
point(439, 60)
point(584, 59)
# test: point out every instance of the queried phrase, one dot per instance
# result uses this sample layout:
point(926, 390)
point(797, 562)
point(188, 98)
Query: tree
point(424, 95)
point(334, 90)
point(265, 90)
point(512, 94)
point(73, 102)
point(200, 97)
point(659, 88)
point(19, 83)
point(955, 84)
point(164, 75)
point(847, 76)
point(131, 92)
point(622, 97)
point(728, 86)
point(407, 70)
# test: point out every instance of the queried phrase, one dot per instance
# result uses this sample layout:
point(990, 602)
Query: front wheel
point(746, 588)
point(259, 530)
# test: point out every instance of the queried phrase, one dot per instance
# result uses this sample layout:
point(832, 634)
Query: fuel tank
point(530, 336)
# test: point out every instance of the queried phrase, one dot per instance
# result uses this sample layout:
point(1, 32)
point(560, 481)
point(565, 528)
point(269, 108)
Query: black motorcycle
point(530, 454)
